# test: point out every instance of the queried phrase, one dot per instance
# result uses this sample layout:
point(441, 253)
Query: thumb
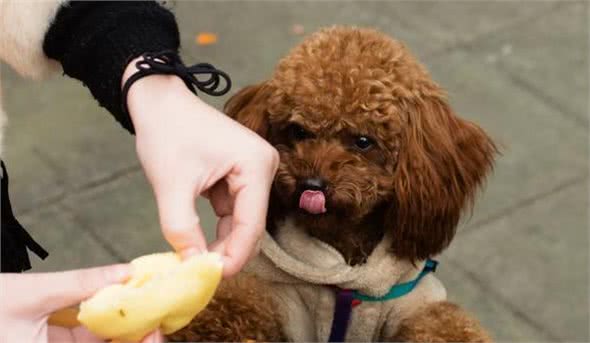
point(63, 289)
point(154, 337)
point(180, 222)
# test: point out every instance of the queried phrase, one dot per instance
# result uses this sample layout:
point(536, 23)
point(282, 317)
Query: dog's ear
point(249, 107)
point(442, 162)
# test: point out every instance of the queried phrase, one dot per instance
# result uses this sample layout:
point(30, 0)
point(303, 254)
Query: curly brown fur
point(441, 322)
point(240, 311)
point(421, 172)
point(419, 176)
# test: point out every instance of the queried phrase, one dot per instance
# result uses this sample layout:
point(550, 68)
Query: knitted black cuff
point(95, 40)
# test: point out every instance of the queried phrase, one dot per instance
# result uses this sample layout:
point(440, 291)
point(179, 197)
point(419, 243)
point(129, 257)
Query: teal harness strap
point(346, 299)
point(401, 289)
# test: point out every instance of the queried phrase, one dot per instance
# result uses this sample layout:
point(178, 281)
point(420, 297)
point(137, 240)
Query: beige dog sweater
point(302, 271)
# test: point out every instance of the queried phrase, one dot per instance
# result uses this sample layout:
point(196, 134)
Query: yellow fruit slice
point(163, 292)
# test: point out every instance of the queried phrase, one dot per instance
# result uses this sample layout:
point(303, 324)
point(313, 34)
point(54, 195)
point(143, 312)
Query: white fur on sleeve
point(23, 24)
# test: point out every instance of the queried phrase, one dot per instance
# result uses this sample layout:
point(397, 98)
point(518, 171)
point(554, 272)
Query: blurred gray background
point(518, 68)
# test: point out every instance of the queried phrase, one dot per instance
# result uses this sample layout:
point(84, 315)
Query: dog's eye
point(363, 143)
point(297, 133)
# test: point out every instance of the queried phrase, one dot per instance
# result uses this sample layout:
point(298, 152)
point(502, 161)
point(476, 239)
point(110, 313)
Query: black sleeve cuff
point(95, 40)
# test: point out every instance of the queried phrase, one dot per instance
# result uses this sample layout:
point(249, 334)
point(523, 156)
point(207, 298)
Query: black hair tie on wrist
point(168, 62)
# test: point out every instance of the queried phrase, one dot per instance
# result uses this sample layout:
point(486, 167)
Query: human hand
point(28, 300)
point(187, 148)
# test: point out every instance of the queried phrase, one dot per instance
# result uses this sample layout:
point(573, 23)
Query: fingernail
point(186, 253)
point(228, 267)
point(158, 337)
point(152, 338)
point(121, 272)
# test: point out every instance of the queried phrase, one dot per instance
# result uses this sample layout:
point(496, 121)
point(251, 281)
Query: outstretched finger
point(64, 289)
point(223, 231)
point(248, 224)
point(180, 222)
point(154, 337)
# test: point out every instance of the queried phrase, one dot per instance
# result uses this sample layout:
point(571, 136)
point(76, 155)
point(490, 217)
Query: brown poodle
point(376, 170)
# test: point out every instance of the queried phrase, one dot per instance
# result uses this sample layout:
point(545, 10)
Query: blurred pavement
point(518, 68)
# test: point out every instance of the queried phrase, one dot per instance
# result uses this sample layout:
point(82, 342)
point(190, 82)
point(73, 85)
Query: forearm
point(95, 40)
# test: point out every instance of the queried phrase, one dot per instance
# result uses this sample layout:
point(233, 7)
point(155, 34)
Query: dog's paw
point(441, 322)
point(241, 311)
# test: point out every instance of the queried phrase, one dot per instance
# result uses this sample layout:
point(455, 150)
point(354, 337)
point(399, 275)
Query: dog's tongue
point(313, 202)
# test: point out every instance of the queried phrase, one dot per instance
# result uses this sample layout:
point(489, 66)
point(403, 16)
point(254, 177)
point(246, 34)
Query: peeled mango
point(163, 292)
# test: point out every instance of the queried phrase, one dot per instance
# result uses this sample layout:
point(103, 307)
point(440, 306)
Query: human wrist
point(154, 79)
point(147, 91)
point(154, 97)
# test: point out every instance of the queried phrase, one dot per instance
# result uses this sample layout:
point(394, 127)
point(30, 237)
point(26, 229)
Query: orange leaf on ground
point(206, 38)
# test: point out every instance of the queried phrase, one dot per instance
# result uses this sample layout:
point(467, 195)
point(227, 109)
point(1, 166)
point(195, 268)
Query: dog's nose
point(313, 184)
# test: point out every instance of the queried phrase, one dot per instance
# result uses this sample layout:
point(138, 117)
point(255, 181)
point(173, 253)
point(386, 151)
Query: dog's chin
point(333, 216)
point(315, 223)
point(302, 214)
